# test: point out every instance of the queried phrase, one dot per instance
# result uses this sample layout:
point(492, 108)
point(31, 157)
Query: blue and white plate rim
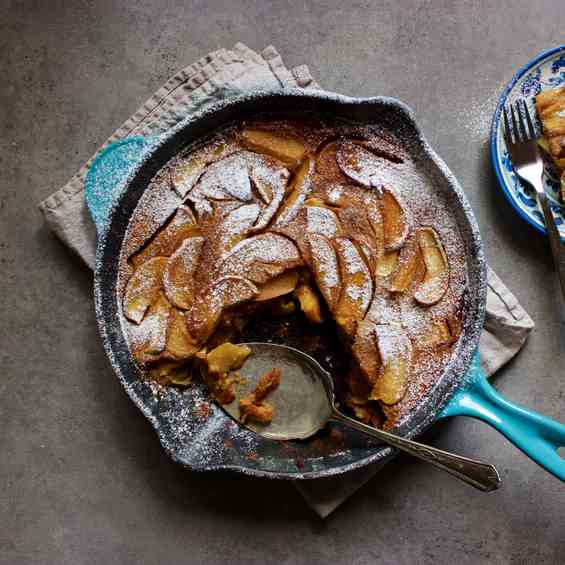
point(494, 132)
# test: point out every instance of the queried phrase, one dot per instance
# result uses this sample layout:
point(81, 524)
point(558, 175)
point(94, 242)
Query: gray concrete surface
point(82, 478)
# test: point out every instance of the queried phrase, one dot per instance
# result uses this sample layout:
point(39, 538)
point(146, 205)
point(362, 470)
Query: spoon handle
point(480, 475)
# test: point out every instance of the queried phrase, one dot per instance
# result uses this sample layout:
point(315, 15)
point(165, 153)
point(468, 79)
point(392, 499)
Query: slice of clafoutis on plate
point(550, 105)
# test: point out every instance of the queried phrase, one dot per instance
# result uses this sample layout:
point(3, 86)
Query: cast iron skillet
point(198, 434)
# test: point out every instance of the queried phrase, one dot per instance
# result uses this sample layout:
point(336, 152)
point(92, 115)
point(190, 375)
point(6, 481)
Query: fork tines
point(521, 130)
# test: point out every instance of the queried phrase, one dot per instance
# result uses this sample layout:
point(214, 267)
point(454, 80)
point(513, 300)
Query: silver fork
point(528, 165)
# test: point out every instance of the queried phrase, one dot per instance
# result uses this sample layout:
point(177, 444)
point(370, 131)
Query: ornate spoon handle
point(480, 475)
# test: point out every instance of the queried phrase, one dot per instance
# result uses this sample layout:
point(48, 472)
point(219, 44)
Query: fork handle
point(554, 240)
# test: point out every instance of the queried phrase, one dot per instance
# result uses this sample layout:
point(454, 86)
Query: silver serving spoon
point(305, 402)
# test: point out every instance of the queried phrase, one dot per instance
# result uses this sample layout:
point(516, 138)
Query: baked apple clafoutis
point(298, 213)
point(550, 105)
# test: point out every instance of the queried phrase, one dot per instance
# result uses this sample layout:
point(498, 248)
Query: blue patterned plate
point(547, 70)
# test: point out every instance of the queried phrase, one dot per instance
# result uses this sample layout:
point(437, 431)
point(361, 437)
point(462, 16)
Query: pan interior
point(196, 432)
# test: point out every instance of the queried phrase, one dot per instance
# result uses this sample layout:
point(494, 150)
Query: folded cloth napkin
point(220, 74)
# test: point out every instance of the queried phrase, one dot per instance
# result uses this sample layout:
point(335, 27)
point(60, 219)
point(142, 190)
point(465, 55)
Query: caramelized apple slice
point(356, 225)
point(168, 239)
point(384, 308)
point(219, 363)
point(375, 218)
point(309, 303)
point(233, 227)
point(395, 351)
point(227, 179)
point(368, 253)
point(410, 267)
point(224, 180)
point(206, 312)
point(438, 335)
point(322, 220)
point(261, 258)
point(365, 351)
point(361, 162)
point(386, 264)
point(382, 147)
point(234, 290)
point(315, 201)
point(143, 288)
point(226, 357)
point(297, 191)
point(436, 279)
point(148, 339)
point(357, 286)
point(180, 343)
point(358, 164)
point(179, 274)
point(326, 164)
point(296, 231)
point(396, 224)
point(326, 269)
point(301, 177)
point(185, 174)
point(278, 286)
point(187, 171)
point(285, 147)
point(269, 180)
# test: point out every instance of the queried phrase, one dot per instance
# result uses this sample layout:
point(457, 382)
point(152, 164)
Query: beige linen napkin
point(220, 74)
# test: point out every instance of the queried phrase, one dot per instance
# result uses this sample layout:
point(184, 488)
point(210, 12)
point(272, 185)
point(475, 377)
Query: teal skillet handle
point(537, 436)
point(108, 174)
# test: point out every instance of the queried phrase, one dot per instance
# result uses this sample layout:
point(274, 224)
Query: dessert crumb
point(253, 406)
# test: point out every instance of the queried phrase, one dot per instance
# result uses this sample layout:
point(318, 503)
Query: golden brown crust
point(298, 213)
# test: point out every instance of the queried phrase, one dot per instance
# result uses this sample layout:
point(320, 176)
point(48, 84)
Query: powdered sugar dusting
point(326, 260)
point(241, 193)
point(226, 179)
point(238, 223)
point(269, 179)
point(321, 221)
point(233, 290)
point(356, 277)
point(155, 207)
point(393, 342)
point(267, 249)
point(335, 193)
point(150, 335)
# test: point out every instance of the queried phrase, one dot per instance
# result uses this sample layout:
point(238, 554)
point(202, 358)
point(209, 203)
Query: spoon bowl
point(303, 402)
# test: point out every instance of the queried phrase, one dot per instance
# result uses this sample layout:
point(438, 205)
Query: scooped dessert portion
point(296, 217)
point(254, 406)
